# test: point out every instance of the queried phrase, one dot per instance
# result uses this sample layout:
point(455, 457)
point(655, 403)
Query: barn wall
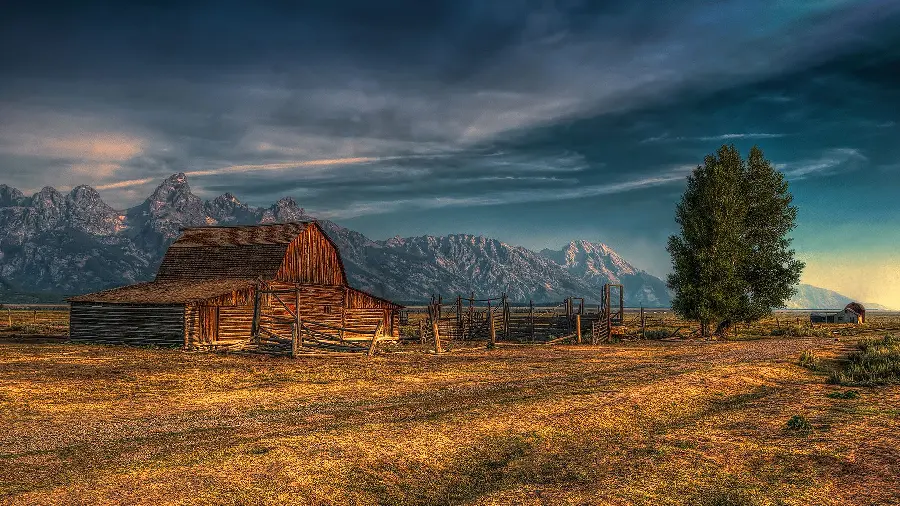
point(234, 324)
point(362, 300)
point(335, 306)
point(364, 321)
point(311, 258)
point(127, 324)
point(319, 304)
point(329, 305)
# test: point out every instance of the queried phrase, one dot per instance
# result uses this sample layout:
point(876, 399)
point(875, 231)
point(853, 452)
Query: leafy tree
point(732, 261)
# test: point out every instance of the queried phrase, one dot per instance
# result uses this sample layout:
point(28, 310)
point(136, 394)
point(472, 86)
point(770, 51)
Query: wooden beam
point(531, 317)
point(435, 316)
point(298, 322)
point(186, 328)
point(254, 327)
point(578, 328)
point(343, 312)
point(643, 325)
point(375, 337)
point(492, 329)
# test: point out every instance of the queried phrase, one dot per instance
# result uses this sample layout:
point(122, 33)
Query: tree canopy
point(732, 260)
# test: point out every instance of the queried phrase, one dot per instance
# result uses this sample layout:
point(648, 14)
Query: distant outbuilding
point(852, 313)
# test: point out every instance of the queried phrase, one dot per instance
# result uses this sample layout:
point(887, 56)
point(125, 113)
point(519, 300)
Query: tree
point(732, 261)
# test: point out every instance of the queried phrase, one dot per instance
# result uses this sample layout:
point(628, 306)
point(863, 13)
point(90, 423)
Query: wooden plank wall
point(312, 259)
point(364, 321)
point(127, 324)
point(361, 300)
point(235, 323)
point(336, 306)
point(321, 304)
point(331, 305)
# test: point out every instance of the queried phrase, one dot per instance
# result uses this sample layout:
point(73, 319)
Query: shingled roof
point(245, 252)
point(166, 292)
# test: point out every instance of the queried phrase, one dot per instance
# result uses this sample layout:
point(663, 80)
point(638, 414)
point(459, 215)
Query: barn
point(852, 313)
point(224, 285)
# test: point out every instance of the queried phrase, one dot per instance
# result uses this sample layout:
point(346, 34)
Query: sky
point(534, 122)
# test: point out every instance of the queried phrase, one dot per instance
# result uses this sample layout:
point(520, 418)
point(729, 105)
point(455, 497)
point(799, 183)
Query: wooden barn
point(224, 285)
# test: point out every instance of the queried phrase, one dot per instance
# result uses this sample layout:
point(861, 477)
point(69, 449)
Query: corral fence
point(497, 319)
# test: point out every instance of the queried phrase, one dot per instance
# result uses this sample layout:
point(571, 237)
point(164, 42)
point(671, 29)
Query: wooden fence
point(47, 319)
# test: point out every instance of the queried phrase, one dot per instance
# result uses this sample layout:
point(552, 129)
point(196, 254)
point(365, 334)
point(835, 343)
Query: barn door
point(209, 324)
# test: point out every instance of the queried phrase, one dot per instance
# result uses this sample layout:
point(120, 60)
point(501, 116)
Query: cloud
point(722, 137)
point(833, 161)
point(280, 166)
point(239, 169)
point(536, 194)
point(126, 184)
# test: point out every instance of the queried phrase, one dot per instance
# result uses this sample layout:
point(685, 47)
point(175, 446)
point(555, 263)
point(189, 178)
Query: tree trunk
point(723, 328)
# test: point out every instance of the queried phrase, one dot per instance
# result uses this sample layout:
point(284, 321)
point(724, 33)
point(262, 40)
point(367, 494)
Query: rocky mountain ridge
point(52, 243)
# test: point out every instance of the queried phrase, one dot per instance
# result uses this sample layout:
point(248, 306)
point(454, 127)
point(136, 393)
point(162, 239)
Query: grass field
point(683, 422)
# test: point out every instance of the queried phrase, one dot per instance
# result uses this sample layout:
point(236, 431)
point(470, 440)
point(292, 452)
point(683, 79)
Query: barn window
point(326, 309)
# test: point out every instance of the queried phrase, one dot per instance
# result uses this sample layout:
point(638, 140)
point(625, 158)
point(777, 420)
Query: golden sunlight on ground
point(638, 423)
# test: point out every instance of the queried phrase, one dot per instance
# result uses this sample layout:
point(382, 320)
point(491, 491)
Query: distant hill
point(813, 297)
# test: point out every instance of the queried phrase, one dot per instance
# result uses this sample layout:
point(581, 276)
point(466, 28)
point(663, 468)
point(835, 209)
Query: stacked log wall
point(160, 325)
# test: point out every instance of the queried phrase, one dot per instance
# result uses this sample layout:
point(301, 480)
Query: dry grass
point(634, 423)
point(874, 362)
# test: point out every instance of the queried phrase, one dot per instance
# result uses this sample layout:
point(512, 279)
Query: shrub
point(875, 362)
point(657, 334)
point(798, 423)
point(847, 394)
point(809, 360)
point(800, 331)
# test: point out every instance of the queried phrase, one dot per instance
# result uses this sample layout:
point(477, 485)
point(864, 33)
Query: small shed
point(853, 313)
point(221, 285)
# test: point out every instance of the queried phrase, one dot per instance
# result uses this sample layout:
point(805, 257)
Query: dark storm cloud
point(412, 105)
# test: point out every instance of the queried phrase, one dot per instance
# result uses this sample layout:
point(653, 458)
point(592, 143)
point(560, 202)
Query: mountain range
point(52, 245)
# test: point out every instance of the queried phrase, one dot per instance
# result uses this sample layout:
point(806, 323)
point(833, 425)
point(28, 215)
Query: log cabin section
point(212, 278)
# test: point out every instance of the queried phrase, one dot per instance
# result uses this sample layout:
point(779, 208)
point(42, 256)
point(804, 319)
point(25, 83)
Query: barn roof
point(242, 252)
point(207, 262)
point(856, 307)
point(180, 291)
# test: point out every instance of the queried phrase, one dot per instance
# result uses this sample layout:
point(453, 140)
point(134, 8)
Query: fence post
point(531, 317)
point(34, 316)
point(608, 310)
point(459, 320)
point(437, 336)
point(643, 326)
point(471, 326)
point(493, 330)
point(505, 317)
point(375, 336)
point(421, 331)
point(578, 328)
point(8, 317)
